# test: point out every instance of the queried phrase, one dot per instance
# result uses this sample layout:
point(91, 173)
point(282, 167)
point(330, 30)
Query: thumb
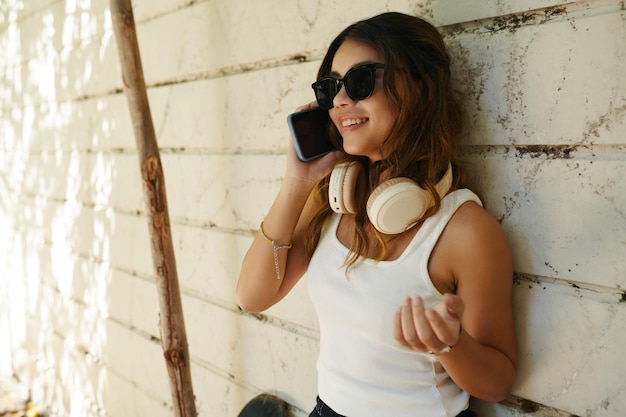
point(454, 306)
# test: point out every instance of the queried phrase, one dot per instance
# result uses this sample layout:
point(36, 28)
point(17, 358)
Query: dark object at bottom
point(467, 413)
point(323, 410)
point(265, 405)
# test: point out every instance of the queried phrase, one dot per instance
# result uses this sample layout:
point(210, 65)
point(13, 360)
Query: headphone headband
point(393, 207)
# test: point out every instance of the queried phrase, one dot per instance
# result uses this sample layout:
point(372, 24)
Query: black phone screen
point(310, 130)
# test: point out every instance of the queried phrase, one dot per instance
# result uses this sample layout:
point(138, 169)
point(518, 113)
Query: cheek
point(388, 117)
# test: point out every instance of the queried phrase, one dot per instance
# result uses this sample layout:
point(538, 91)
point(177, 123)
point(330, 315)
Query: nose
point(342, 99)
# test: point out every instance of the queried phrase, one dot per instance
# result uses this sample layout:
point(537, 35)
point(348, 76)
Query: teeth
point(351, 122)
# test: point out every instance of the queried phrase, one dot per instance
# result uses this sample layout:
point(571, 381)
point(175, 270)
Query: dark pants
point(322, 410)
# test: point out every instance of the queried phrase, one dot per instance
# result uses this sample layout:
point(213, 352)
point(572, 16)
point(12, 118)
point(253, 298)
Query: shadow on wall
point(56, 213)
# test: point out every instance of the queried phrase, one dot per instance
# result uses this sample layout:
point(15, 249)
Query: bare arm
point(258, 287)
point(473, 254)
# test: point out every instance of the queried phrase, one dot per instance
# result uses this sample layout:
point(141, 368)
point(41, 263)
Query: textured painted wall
point(544, 86)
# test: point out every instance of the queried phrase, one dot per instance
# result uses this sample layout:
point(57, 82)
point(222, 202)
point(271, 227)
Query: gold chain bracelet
point(275, 246)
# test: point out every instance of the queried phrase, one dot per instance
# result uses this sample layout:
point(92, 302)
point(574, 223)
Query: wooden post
point(172, 324)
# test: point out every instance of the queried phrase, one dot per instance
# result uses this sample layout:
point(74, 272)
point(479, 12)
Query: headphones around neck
point(393, 207)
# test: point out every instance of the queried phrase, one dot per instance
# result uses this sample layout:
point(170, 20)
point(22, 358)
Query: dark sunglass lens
point(325, 92)
point(360, 83)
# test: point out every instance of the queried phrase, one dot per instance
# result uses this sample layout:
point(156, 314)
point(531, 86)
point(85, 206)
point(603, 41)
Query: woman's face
point(364, 124)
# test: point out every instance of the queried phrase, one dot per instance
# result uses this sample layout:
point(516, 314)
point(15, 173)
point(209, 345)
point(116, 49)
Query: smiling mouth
point(352, 122)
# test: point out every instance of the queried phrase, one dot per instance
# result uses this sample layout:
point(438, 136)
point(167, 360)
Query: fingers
point(434, 329)
point(443, 329)
point(412, 320)
point(396, 329)
point(454, 305)
point(428, 324)
point(412, 328)
point(307, 106)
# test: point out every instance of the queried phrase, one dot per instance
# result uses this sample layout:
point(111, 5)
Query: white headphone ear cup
point(346, 187)
point(396, 205)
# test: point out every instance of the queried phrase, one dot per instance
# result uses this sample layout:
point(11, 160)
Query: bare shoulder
point(474, 255)
point(480, 260)
point(471, 253)
point(474, 234)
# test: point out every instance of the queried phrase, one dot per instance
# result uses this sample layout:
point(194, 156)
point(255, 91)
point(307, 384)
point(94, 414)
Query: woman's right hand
point(313, 171)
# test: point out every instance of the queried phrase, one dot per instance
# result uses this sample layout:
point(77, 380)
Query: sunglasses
point(359, 83)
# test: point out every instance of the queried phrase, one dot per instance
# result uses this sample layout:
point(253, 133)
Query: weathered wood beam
point(172, 324)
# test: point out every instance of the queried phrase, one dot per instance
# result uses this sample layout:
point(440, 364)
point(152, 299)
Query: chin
point(355, 150)
point(351, 151)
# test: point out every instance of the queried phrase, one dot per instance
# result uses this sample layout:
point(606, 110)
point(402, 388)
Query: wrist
point(295, 185)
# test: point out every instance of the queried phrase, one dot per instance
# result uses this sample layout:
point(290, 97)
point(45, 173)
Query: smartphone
point(310, 131)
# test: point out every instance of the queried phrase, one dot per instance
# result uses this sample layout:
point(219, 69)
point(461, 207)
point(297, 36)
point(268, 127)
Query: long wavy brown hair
point(422, 141)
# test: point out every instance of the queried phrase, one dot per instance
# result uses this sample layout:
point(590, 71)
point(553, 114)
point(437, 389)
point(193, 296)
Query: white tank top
point(362, 370)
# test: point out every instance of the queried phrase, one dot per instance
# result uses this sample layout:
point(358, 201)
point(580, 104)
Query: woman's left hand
point(429, 330)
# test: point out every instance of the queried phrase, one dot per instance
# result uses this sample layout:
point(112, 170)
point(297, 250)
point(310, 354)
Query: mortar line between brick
point(513, 21)
point(614, 293)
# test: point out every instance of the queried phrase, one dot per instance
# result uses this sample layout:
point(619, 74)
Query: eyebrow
point(335, 74)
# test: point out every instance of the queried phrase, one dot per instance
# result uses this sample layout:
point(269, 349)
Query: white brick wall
point(544, 86)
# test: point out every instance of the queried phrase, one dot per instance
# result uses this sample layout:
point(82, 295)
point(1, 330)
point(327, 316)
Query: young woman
point(410, 277)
